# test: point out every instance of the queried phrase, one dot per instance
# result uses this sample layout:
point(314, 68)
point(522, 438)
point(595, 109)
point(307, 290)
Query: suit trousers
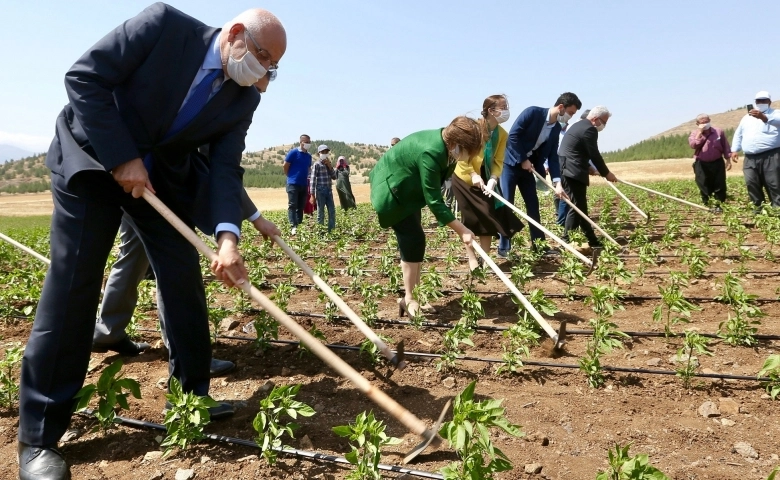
point(578, 194)
point(711, 179)
point(762, 172)
point(120, 296)
point(515, 177)
point(86, 217)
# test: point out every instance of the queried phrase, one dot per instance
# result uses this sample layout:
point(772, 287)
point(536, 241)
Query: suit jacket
point(409, 176)
point(523, 136)
point(579, 145)
point(124, 94)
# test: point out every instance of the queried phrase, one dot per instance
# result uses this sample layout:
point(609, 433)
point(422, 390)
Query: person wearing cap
point(711, 159)
point(296, 166)
point(321, 182)
point(343, 187)
point(393, 141)
point(758, 135)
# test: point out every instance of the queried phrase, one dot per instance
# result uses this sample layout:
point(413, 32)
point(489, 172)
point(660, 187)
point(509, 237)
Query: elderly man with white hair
point(140, 102)
point(712, 157)
point(578, 148)
point(758, 135)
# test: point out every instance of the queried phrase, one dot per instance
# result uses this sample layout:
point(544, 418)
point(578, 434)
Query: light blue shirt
point(213, 61)
point(753, 136)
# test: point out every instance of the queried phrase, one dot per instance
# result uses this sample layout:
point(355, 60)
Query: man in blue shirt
point(296, 167)
point(758, 135)
point(533, 140)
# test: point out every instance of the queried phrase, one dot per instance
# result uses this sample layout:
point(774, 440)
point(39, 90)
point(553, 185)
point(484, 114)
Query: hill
point(673, 143)
point(9, 152)
point(263, 169)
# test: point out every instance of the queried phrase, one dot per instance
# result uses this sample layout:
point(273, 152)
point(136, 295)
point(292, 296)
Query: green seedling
point(459, 334)
point(112, 391)
point(9, 389)
point(368, 435)
point(371, 351)
point(771, 369)
point(185, 420)
point(674, 307)
point(469, 434)
point(268, 422)
point(692, 344)
point(624, 467)
point(314, 332)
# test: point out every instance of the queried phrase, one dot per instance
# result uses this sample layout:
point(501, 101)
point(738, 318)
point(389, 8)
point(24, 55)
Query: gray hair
point(701, 117)
point(255, 20)
point(598, 112)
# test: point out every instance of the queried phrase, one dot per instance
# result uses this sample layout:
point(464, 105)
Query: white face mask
point(762, 107)
point(247, 70)
point(503, 117)
point(563, 118)
point(705, 126)
point(306, 146)
point(601, 127)
point(324, 156)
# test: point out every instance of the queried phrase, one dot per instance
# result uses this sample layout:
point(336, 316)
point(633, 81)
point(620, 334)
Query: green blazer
point(409, 176)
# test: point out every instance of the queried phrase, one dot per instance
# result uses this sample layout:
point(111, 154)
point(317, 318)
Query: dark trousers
point(84, 225)
point(711, 179)
point(515, 177)
point(578, 194)
point(411, 238)
point(762, 172)
point(297, 196)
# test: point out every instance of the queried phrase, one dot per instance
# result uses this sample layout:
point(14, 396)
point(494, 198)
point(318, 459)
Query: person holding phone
point(712, 157)
point(758, 135)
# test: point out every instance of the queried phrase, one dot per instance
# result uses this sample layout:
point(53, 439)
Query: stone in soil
point(675, 359)
point(654, 362)
point(728, 406)
point(157, 475)
point(228, 324)
point(305, 443)
point(448, 382)
point(745, 449)
point(70, 435)
point(727, 423)
point(709, 409)
point(533, 468)
point(153, 455)
point(184, 474)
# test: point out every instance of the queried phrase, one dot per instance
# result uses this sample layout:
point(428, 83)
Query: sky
point(366, 71)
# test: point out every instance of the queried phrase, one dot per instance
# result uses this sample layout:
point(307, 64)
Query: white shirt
point(753, 136)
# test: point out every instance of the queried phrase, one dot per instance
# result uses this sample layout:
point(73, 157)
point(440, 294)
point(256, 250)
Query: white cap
point(322, 147)
point(763, 95)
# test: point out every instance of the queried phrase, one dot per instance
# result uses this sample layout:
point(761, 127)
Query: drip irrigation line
point(132, 422)
point(534, 363)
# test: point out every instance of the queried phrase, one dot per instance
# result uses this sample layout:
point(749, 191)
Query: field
point(605, 388)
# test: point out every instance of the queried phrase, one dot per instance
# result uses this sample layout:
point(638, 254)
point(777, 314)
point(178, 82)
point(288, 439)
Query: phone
point(749, 107)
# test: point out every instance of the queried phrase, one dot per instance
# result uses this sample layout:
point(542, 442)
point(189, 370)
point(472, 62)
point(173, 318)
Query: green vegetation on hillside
point(672, 146)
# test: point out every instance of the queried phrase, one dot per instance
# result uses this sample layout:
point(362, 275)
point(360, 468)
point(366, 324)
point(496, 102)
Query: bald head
point(258, 32)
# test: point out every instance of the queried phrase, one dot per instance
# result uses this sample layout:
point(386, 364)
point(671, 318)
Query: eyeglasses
point(264, 56)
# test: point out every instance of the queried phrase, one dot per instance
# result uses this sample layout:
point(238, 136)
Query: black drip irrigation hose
point(489, 328)
point(534, 363)
point(132, 422)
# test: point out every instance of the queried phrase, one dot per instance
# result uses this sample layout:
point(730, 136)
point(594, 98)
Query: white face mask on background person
point(762, 107)
point(503, 117)
point(601, 127)
point(306, 146)
point(247, 70)
point(324, 156)
point(705, 126)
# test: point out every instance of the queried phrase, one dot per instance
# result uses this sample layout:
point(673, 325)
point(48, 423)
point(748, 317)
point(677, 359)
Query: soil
point(654, 413)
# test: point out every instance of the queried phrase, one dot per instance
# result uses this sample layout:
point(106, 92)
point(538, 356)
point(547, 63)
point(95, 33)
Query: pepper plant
point(693, 343)
point(674, 307)
point(624, 467)
point(186, 417)
point(771, 369)
point(268, 423)
point(460, 333)
point(369, 436)
point(112, 391)
point(9, 389)
point(469, 434)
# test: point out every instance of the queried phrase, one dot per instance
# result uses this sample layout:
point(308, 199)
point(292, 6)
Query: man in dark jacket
point(578, 148)
point(140, 101)
point(532, 140)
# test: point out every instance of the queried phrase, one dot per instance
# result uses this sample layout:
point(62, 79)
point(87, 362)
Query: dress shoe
point(124, 347)
point(412, 309)
point(220, 412)
point(220, 367)
point(41, 463)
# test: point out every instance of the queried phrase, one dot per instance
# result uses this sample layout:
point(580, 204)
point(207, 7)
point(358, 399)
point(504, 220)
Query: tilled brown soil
point(568, 426)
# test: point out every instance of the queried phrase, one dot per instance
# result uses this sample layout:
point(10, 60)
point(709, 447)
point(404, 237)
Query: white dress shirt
point(753, 136)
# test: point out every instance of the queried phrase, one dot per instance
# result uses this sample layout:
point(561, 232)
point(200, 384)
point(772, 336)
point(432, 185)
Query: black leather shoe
point(220, 412)
point(220, 367)
point(124, 347)
point(41, 463)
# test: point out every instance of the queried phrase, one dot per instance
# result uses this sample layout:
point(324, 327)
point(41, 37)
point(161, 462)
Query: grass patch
point(23, 223)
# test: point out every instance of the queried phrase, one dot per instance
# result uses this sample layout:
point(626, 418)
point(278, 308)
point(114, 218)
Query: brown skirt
point(479, 212)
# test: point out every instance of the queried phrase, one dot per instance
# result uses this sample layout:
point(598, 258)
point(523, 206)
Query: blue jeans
point(515, 177)
point(563, 209)
point(325, 200)
point(296, 200)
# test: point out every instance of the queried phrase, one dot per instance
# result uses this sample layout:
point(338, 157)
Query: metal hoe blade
point(431, 436)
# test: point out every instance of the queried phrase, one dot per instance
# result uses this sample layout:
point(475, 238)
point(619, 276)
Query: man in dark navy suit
point(140, 101)
point(532, 140)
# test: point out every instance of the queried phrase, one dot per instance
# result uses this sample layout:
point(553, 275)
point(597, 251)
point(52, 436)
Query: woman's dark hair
point(491, 102)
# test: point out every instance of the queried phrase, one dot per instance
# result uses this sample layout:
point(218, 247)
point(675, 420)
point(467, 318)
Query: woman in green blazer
point(407, 178)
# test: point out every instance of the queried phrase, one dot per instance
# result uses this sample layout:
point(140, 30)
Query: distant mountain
point(9, 152)
point(725, 121)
